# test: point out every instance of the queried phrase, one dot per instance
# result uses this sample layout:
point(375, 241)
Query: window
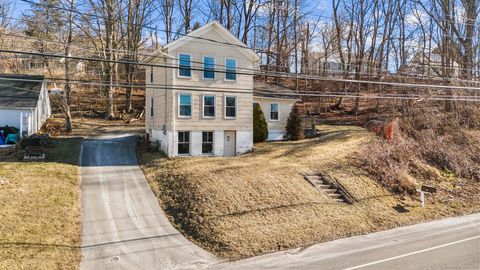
point(185, 65)
point(230, 69)
point(151, 74)
point(207, 142)
point(208, 106)
point(183, 142)
point(274, 111)
point(208, 67)
point(151, 107)
point(230, 107)
point(185, 105)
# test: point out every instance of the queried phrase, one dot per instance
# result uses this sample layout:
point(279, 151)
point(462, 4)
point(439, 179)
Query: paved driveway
point(123, 226)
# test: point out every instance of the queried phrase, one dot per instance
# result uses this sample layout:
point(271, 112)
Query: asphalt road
point(123, 226)
point(448, 244)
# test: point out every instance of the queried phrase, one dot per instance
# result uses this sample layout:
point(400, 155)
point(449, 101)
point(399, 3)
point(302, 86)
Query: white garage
point(24, 102)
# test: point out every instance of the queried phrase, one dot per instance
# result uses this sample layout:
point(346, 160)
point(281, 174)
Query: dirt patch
point(40, 210)
point(91, 127)
point(260, 202)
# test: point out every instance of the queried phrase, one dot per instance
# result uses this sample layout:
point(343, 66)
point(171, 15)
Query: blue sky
point(318, 7)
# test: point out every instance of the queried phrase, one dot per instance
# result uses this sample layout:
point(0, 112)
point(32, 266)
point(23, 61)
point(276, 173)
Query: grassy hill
point(260, 202)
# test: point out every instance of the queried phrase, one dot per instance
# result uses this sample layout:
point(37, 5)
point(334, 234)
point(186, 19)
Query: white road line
point(412, 253)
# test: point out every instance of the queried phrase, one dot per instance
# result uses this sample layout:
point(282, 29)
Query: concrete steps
point(327, 186)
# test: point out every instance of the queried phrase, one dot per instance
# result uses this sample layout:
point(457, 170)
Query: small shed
point(24, 102)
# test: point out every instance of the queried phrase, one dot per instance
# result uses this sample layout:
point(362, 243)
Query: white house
point(276, 102)
point(199, 94)
point(24, 102)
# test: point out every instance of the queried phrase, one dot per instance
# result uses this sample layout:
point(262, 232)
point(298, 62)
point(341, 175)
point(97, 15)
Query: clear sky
point(318, 7)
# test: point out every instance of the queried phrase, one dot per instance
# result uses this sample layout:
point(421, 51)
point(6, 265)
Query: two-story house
point(199, 94)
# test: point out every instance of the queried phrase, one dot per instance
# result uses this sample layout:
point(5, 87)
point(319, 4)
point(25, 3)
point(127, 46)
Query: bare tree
point(67, 95)
point(185, 7)
point(166, 9)
point(137, 13)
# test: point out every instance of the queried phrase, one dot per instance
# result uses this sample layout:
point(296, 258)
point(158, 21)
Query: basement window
point(183, 142)
point(207, 142)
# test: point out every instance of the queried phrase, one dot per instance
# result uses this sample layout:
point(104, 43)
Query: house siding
point(167, 85)
point(276, 129)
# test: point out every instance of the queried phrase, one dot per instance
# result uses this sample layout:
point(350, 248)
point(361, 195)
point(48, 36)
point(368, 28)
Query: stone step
point(335, 195)
point(339, 200)
point(324, 186)
point(331, 190)
point(313, 177)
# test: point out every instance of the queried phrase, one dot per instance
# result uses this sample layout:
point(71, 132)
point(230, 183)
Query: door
point(229, 143)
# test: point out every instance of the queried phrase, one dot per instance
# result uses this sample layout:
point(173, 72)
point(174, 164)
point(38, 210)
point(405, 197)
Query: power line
point(261, 73)
point(338, 94)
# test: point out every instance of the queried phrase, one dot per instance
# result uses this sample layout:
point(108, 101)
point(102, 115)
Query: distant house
point(24, 102)
point(431, 65)
point(331, 64)
point(276, 102)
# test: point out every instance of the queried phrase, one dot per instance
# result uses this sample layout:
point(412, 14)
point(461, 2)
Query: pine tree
point(260, 126)
point(295, 125)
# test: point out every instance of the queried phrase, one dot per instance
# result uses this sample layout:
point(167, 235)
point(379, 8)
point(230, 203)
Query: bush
point(260, 126)
point(294, 125)
point(443, 141)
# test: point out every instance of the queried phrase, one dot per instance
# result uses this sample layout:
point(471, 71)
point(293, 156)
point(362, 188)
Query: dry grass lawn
point(40, 210)
point(260, 202)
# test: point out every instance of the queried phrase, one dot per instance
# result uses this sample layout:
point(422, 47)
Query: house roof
point(156, 54)
point(216, 26)
point(271, 90)
point(19, 91)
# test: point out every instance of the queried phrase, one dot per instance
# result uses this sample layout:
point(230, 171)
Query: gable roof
point(271, 90)
point(155, 55)
point(19, 91)
point(232, 40)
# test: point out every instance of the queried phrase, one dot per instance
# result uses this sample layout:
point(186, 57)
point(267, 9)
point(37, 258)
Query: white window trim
point(270, 112)
point(178, 65)
point(214, 68)
point(178, 105)
point(213, 144)
point(214, 106)
point(225, 107)
point(225, 69)
point(189, 143)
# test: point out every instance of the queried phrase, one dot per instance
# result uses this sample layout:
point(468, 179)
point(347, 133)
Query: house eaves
point(222, 31)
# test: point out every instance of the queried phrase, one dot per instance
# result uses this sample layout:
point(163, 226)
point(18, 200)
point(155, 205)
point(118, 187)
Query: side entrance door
point(229, 143)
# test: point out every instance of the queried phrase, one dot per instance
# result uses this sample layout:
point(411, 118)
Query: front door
point(229, 143)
